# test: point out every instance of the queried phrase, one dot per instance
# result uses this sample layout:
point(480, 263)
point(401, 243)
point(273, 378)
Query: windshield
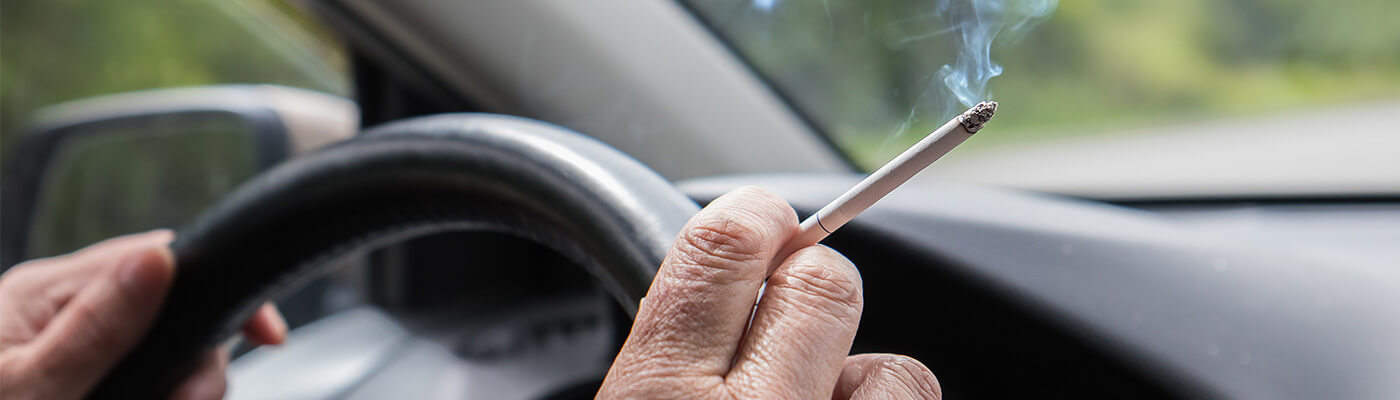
point(874, 75)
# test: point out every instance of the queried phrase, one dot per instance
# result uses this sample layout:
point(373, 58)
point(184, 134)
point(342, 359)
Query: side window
point(99, 186)
point(104, 185)
point(159, 169)
point(59, 50)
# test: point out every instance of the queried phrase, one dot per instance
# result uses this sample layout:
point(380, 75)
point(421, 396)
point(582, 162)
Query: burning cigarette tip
point(978, 115)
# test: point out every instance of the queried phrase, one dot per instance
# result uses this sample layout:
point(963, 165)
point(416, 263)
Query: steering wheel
point(592, 204)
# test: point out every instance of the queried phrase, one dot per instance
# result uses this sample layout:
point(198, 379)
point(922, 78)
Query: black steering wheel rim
point(448, 173)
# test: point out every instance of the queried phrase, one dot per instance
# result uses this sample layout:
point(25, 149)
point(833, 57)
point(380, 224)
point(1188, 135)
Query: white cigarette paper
point(890, 176)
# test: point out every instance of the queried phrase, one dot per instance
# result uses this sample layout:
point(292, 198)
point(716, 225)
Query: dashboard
point(1000, 292)
point(1359, 232)
point(1008, 292)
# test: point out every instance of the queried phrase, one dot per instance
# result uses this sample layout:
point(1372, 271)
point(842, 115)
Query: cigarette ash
point(974, 118)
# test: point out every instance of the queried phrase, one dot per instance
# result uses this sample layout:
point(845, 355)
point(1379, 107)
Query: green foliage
point(862, 69)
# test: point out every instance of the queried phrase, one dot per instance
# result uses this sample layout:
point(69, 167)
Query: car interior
point(477, 211)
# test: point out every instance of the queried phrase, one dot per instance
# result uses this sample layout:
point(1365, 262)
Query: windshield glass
point(875, 75)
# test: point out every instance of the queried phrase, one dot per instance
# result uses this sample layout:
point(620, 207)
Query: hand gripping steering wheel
point(592, 204)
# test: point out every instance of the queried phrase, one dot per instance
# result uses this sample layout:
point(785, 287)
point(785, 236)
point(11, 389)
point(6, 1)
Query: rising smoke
point(977, 23)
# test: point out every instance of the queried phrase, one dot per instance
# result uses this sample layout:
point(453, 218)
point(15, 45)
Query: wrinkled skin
point(66, 320)
point(689, 339)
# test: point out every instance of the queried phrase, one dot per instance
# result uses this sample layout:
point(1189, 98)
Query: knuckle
point(911, 375)
point(823, 281)
point(722, 241)
point(23, 280)
point(836, 282)
point(95, 336)
point(37, 273)
point(22, 272)
point(736, 231)
point(15, 277)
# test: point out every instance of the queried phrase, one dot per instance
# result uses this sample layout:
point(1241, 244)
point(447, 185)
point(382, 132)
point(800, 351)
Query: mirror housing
point(98, 167)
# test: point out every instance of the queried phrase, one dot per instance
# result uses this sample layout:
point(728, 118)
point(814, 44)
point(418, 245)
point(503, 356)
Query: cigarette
point(890, 176)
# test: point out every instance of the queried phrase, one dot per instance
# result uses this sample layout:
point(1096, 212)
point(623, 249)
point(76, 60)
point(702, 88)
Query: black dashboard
point(1005, 293)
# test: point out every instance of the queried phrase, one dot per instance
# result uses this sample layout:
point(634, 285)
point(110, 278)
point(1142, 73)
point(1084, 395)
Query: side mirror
point(95, 168)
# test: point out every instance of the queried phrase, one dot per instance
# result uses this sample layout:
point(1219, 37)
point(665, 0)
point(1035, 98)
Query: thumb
point(106, 318)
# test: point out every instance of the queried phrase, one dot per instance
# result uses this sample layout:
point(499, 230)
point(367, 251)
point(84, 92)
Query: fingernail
point(167, 235)
point(146, 269)
point(279, 324)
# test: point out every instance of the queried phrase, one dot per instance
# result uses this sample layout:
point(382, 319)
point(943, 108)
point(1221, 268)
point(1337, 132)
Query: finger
point(107, 317)
point(60, 277)
point(699, 303)
point(208, 381)
point(96, 256)
point(121, 244)
point(803, 327)
point(885, 376)
point(266, 326)
point(36, 291)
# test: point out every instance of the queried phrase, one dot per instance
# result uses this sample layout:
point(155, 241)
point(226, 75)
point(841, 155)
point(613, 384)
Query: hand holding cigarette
point(690, 341)
point(699, 334)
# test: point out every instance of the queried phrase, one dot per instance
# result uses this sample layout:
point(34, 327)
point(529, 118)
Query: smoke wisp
point(978, 23)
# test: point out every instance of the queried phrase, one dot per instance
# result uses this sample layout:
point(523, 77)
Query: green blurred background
point(58, 50)
point(858, 68)
point(1094, 67)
